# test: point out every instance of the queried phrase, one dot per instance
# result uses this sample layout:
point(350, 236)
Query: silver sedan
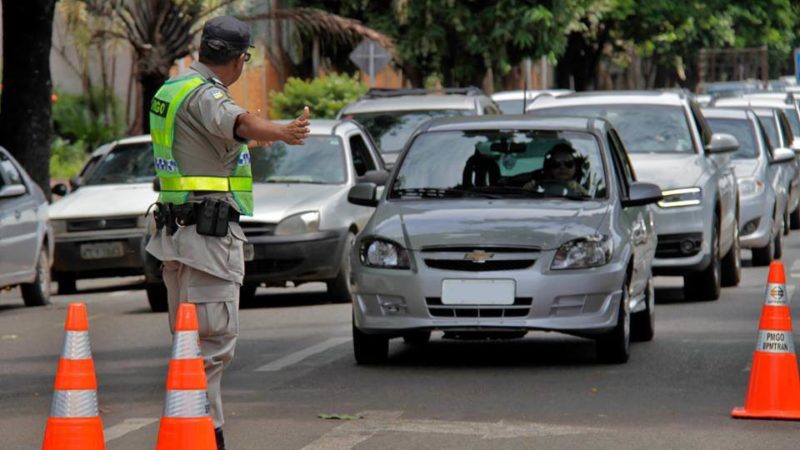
point(496, 226)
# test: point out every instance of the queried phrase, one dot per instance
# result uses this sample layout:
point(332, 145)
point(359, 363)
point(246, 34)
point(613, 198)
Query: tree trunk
point(151, 83)
point(25, 105)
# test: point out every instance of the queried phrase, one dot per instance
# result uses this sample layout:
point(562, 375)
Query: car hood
point(745, 167)
point(105, 201)
point(668, 171)
point(544, 224)
point(274, 202)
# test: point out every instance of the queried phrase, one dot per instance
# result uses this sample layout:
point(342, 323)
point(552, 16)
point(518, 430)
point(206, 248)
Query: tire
point(643, 323)
point(157, 297)
point(794, 219)
point(706, 285)
point(247, 295)
point(37, 293)
point(786, 226)
point(732, 262)
point(417, 338)
point(614, 347)
point(778, 245)
point(765, 255)
point(339, 287)
point(66, 285)
point(369, 349)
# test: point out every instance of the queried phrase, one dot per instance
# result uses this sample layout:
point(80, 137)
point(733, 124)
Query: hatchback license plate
point(103, 250)
point(478, 292)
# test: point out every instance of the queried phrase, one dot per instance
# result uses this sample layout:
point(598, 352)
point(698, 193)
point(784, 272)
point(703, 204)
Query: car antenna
point(525, 94)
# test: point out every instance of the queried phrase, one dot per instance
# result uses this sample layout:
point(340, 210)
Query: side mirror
point(722, 143)
point(14, 190)
point(156, 184)
point(782, 155)
point(75, 182)
point(60, 189)
point(642, 194)
point(378, 177)
point(363, 194)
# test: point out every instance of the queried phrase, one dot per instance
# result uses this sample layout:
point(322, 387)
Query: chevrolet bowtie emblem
point(479, 256)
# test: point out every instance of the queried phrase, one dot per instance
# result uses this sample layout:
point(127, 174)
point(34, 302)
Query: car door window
point(786, 130)
point(621, 163)
point(362, 161)
point(10, 172)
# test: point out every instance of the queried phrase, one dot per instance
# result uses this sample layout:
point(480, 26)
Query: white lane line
point(351, 433)
point(296, 357)
point(127, 426)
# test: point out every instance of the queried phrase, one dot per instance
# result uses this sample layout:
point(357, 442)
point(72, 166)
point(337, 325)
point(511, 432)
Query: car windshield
point(743, 130)
point(771, 127)
point(320, 160)
point(391, 129)
point(794, 120)
point(643, 128)
point(125, 164)
point(502, 164)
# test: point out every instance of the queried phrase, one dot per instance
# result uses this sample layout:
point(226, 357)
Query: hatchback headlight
point(383, 254)
point(305, 222)
point(675, 198)
point(583, 253)
point(750, 186)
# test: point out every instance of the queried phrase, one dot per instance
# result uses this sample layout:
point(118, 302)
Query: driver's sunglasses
point(568, 164)
point(247, 56)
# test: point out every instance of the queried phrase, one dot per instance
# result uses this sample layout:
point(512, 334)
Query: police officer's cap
point(226, 34)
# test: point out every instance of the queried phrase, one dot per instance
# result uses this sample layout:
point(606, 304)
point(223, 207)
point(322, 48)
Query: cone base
point(74, 434)
point(186, 434)
point(742, 413)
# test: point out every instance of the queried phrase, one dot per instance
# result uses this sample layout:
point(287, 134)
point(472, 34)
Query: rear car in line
point(491, 227)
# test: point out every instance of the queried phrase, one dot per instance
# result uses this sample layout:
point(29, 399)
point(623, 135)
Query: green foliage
point(66, 159)
point(92, 120)
point(325, 96)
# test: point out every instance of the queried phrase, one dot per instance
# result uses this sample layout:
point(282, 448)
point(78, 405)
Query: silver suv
point(391, 115)
point(671, 145)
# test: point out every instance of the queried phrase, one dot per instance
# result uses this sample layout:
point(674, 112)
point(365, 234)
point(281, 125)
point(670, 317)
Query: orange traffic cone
point(74, 422)
point(186, 424)
point(774, 391)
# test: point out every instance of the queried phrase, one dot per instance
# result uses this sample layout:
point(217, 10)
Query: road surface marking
point(296, 357)
point(127, 426)
point(351, 433)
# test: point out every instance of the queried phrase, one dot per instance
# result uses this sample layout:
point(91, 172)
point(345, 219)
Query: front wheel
point(707, 284)
point(643, 323)
point(339, 287)
point(38, 292)
point(614, 347)
point(732, 263)
point(369, 348)
point(794, 219)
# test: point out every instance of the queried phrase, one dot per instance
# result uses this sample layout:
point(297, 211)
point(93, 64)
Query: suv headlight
point(583, 253)
point(383, 254)
point(750, 186)
point(305, 222)
point(675, 198)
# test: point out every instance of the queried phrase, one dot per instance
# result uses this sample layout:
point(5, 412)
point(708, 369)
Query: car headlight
point(750, 186)
point(675, 198)
point(384, 254)
point(305, 222)
point(583, 253)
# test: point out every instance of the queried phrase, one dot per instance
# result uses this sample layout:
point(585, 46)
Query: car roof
point(517, 122)
point(412, 103)
point(531, 94)
point(753, 102)
point(326, 127)
point(671, 98)
point(725, 113)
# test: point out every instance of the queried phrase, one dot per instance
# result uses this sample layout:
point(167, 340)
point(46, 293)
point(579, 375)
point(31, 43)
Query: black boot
point(220, 439)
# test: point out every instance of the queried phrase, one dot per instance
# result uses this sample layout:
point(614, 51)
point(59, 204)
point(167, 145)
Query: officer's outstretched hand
point(297, 130)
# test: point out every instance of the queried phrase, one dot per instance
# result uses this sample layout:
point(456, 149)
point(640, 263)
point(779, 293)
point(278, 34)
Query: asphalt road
point(294, 362)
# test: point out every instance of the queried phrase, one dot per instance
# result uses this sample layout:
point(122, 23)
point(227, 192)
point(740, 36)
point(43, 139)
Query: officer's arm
point(252, 127)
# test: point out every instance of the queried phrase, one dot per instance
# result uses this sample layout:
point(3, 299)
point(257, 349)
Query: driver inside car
point(563, 166)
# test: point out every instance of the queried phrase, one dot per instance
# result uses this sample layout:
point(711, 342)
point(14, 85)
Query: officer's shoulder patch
point(217, 93)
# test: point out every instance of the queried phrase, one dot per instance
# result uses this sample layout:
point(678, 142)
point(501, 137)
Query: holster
point(211, 217)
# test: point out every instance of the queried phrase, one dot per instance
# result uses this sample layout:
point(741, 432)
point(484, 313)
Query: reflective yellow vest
point(175, 186)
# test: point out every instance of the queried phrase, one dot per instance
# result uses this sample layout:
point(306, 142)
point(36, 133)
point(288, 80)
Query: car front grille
point(252, 229)
point(680, 245)
point(118, 223)
point(480, 259)
point(266, 266)
point(520, 308)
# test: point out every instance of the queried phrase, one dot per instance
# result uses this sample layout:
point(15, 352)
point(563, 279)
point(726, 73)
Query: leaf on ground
point(9, 337)
point(338, 417)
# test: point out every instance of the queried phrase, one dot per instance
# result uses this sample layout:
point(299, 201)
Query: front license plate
point(103, 250)
point(478, 292)
point(249, 252)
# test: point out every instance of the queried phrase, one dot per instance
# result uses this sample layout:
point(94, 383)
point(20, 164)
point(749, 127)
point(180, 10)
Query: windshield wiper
point(443, 193)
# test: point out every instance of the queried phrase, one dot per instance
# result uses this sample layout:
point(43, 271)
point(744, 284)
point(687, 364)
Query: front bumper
point(68, 260)
point(757, 207)
point(308, 257)
point(674, 225)
point(584, 302)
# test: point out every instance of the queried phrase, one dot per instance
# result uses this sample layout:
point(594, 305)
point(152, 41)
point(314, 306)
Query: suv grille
point(520, 308)
point(480, 259)
point(257, 228)
point(102, 224)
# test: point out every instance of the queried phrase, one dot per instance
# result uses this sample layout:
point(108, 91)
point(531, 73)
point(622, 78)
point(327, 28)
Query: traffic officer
point(203, 168)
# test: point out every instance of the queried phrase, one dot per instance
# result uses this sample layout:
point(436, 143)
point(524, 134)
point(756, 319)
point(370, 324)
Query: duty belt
point(174, 216)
